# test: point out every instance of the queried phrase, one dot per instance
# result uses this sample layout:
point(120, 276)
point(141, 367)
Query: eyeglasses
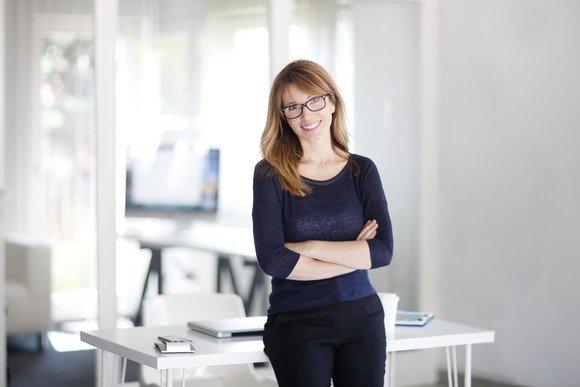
point(314, 104)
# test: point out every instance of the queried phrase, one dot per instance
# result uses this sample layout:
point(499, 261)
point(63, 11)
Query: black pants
point(344, 341)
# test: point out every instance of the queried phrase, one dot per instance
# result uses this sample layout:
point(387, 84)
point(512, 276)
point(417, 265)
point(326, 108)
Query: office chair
point(182, 308)
point(28, 285)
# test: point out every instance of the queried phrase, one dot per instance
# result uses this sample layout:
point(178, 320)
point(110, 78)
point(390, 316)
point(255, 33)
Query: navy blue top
point(335, 210)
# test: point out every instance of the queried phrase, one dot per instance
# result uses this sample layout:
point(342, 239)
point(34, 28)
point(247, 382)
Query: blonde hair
point(279, 145)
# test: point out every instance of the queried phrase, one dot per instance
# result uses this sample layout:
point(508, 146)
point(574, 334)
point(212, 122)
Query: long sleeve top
point(335, 210)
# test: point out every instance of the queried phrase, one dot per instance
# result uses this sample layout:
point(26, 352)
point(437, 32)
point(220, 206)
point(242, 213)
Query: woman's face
point(309, 126)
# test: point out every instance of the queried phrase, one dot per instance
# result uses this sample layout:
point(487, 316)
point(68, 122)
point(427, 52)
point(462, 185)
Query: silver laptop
point(228, 327)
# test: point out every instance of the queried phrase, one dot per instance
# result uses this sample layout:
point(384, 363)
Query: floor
point(29, 368)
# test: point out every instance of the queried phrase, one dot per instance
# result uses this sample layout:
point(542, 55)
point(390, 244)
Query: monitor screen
point(180, 178)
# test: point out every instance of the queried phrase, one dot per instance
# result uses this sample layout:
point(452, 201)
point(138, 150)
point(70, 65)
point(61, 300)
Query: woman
point(320, 221)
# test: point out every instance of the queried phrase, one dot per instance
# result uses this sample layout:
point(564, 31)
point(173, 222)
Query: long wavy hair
point(279, 144)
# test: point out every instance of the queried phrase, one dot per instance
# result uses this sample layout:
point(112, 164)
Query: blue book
point(417, 319)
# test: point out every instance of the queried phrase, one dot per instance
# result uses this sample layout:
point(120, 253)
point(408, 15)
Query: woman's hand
point(368, 231)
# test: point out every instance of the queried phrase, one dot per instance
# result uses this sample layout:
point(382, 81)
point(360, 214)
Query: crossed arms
point(325, 259)
point(316, 259)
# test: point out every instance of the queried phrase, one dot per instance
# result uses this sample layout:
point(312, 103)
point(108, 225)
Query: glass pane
point(195, 79)
point(68, 170)
point(322, 31)
point(191, 76)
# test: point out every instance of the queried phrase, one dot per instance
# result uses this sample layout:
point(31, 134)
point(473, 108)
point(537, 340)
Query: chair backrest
point(26, 256)
point(27, 283)
point(174, 309)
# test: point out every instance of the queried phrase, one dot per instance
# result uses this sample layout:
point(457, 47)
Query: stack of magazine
point(418, 319)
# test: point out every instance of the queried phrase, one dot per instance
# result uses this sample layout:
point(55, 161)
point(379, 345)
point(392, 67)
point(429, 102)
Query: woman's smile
point(311, 126)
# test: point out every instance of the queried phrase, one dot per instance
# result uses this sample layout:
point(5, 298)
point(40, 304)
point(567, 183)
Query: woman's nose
point(306, 115)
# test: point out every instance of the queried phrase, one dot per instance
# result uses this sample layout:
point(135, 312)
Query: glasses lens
point(293, 111)
point(316, 103)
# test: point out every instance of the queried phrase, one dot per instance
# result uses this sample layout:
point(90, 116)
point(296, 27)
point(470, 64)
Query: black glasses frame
point(304, 105)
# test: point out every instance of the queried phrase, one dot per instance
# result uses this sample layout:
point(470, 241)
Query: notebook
point(407, 318)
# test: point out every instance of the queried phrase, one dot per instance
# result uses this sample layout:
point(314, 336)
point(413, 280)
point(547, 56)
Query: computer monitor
point(181, 180)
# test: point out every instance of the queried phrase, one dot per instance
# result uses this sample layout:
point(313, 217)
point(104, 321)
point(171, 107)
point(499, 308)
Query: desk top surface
point(136, 344)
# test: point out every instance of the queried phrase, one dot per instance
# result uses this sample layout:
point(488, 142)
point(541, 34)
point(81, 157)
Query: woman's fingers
point(368, 233)
point(367, 230)
point(364, 230)
point(360, 234)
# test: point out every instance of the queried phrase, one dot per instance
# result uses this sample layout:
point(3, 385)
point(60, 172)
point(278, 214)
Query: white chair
point(180, 309)
point(28, 285)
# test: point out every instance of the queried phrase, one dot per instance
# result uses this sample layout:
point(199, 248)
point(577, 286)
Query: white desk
point(136, 344)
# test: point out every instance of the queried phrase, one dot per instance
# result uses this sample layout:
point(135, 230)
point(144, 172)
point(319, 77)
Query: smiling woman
point(304, 103)
point(308, 122)
point(320, 220)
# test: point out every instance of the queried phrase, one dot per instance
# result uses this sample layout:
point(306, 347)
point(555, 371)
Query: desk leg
point(257, 283)
point(163, 376)
point(110, 369)
point(455, 366)
point(123, 371)
point(114, 373)
point(154, 268)
point(467, 380)
point(449, 379)
point(169, 378)
point(102, 368)
point(117, 370)
point(224, 263)
point(218, 275)
point(452, 380)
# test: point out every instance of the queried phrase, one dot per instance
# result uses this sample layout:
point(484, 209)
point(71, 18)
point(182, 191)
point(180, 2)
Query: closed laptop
point(228, 327)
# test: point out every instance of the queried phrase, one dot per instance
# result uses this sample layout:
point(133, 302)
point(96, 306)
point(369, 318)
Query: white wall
point(2, 187)
point(510, 159)
point(387, 74)
point(386, 125)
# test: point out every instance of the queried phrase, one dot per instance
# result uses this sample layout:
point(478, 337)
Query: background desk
point(136, 344)
point(225, 240)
